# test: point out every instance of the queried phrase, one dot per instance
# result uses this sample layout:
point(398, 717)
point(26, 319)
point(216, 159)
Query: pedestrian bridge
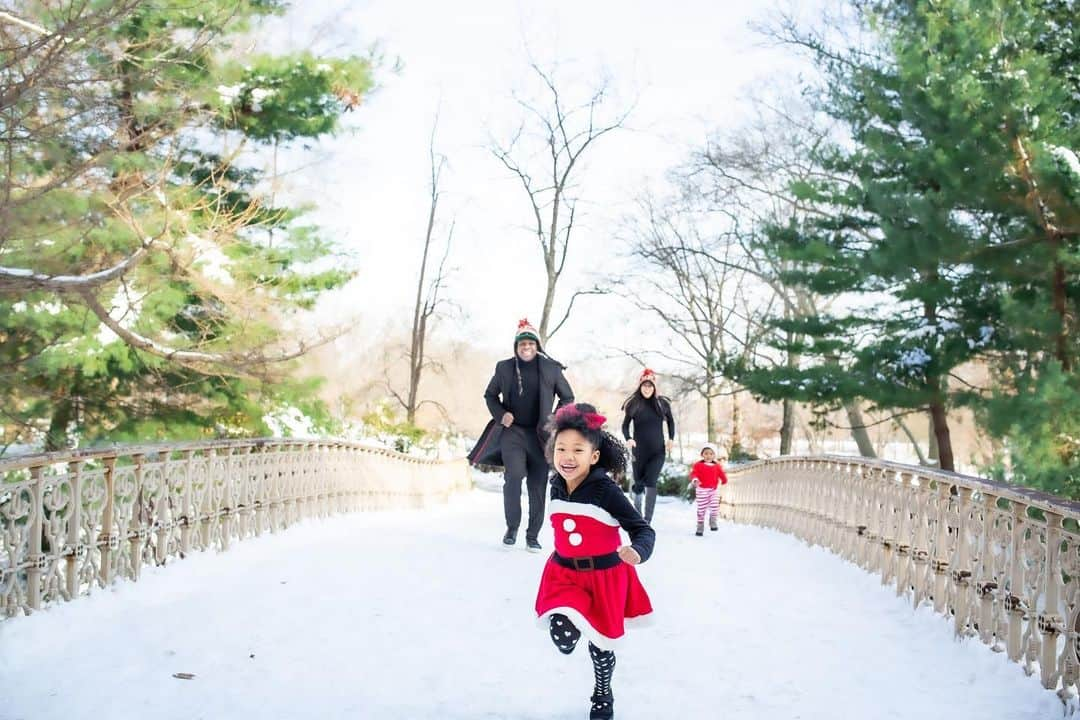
point(839, 588)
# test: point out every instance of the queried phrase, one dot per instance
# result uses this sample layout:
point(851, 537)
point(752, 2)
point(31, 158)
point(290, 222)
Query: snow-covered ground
point(422, 615)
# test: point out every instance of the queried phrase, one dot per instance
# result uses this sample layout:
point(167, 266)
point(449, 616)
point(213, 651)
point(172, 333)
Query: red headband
point(593, 421)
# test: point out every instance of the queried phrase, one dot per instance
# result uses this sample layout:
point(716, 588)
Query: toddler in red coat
point(706, 477)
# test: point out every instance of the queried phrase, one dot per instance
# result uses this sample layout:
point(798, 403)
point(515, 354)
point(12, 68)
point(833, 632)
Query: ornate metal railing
point(1001, 561)
point(72, 522)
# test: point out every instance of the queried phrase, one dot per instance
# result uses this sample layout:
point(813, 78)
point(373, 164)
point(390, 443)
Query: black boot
point(603, 707)
point(603, 703)
point(563, 633)
point(510, 537)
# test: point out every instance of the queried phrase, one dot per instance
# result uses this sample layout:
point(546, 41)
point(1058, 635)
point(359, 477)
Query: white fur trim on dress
point(587, 509)
point(590, 633)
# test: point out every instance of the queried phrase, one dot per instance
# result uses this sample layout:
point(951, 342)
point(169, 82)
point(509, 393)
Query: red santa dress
point(586, 524)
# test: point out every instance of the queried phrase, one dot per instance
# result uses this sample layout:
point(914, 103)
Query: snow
point(422, 615)
point(913, 358)
point(229, 93)
point(1069, 158)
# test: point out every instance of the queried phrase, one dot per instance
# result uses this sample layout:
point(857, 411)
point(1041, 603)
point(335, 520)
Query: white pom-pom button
point(575, 539)
point(569, 524)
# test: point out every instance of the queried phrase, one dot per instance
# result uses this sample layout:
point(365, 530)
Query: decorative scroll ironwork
point(74, 522)
point(1000, 561)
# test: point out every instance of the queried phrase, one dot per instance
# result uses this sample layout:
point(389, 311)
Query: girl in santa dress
point(589, 586)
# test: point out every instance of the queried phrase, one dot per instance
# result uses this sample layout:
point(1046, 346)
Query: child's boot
point(700, 529)
point(603, 704)
point(603, 707)
point(712, 523)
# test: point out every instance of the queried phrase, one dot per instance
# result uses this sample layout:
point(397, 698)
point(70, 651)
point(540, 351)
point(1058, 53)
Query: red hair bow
point(593, 421)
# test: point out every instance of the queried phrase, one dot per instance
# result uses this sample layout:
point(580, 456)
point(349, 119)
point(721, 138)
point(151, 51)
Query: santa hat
point(647, 376)
point(526, 331)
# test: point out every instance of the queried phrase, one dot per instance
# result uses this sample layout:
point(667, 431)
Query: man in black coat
point(521, 398)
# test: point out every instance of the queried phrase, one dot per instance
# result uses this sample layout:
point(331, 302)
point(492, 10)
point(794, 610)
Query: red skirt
point(598, 602)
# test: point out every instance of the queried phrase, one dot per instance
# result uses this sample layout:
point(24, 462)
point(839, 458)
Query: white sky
point(689, 64)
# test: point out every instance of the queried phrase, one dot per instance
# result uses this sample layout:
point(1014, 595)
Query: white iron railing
point(1001, 561)
point(72, 522)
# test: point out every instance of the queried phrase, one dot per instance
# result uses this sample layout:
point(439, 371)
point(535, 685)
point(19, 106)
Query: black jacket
point(503, 382)
point(600, 490)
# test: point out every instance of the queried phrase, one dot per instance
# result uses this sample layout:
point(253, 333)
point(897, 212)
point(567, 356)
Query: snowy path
point(423, 616)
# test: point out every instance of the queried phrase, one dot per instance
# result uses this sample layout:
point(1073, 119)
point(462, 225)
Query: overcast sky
point(688, 66)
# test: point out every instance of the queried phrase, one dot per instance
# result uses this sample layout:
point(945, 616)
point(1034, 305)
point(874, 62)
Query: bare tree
point(694, 286)
point(747, 175)
point(566, 132)
point(428, 299)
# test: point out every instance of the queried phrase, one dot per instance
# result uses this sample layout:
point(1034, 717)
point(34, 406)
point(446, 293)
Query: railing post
point(36, 561)
point(920, 553)
point(986, 585)
point(941, 547)
point(903, 536)
point(961, 574)
point(75, 550)
point(138, 529)
point(162, 516)
point(1051, 623)
point(187, 504)
point(1015, 605)
point(108, 540)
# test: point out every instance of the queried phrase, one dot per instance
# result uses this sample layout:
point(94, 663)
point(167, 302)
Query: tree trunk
point(736, 424)
point(914, 441)
point(710, 430)
point(936, 408)
point(62, 415)
point(1061, 345)
point(941, 432)
point(858, 429)
point(787, 428)
point(934, 455)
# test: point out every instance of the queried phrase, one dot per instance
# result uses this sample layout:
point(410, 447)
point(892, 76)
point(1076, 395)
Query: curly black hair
point(613, 456)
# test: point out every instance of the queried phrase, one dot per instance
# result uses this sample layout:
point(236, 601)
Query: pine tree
point(125, 127)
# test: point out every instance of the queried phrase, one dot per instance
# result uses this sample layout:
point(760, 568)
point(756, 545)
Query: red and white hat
point(647, 376)
point(526, 331)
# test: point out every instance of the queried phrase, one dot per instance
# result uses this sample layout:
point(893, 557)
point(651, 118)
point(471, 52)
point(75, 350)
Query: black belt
point(591, 562)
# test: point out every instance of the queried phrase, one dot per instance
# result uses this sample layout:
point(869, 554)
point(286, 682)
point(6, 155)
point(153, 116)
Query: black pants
point(523, 459)
point(647, 470)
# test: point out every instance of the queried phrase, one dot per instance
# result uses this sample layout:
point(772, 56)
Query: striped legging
point(707, 498)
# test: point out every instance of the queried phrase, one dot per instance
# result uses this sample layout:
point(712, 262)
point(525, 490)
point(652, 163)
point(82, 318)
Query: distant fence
point(72, 522)
point(1001, 561)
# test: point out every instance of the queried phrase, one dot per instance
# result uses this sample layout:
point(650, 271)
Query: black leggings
point(647, 471)
point(565, 635)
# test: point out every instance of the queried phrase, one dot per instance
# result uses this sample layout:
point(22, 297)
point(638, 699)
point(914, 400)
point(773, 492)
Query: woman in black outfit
point(647, 410)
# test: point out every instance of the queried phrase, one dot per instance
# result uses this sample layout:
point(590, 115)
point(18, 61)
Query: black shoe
point(510, 538)
point(603, 707)
point(533, 545)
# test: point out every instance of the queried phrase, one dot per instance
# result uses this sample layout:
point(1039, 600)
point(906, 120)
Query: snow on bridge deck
point(422, 615)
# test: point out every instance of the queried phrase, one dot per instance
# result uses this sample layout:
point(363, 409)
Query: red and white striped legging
point(707, 498)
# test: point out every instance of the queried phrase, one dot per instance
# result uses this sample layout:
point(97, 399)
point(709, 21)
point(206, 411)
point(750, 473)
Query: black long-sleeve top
point(600, 490)
point(648, 426)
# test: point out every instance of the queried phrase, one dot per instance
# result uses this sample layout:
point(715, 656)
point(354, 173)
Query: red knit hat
point(647, 376)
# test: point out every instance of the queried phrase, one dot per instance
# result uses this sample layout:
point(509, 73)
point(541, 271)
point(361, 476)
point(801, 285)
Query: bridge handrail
point(75, 521)
point(1002, 561)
